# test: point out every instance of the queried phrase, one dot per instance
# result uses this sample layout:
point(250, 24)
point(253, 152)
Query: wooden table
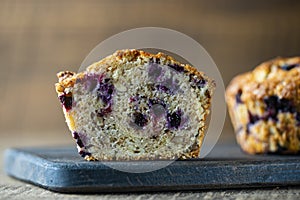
point(14, 189)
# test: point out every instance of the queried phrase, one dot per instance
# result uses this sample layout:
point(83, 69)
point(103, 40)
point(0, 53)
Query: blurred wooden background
point(38, 38)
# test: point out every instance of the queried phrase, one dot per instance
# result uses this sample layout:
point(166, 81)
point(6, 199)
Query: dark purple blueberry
point(238, 97)
point(298, 118)
point(105, 91)
point(104, 111)
point(174, 119)
point(78, 140)
point(66, 101)
point(275, 105)
point(288, 67)
point(286, 105)
point(79, 143)
point(272, 107)
point(162, 88)
point(271, 101)
point(253, 118)
point(140, 119)
point(83, 153)
point(75, 135)
point(176, 67)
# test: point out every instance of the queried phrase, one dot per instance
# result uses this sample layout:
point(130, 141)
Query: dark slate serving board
point(62, 170)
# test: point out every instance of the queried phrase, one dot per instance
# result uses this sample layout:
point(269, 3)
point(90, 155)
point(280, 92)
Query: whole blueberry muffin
point(264, 106)
point(134, 105)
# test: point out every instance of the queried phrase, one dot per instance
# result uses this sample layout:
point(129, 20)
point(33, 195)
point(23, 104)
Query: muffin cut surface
point(133, 105)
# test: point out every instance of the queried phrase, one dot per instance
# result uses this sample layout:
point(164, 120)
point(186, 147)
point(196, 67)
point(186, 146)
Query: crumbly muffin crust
point(264, 106)
point(91, 98)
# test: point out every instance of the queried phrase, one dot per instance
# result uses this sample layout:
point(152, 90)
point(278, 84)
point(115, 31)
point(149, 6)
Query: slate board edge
point(56, 176)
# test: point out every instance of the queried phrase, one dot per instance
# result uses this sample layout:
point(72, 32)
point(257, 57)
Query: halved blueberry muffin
point(133, 105)
point(264, 106)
